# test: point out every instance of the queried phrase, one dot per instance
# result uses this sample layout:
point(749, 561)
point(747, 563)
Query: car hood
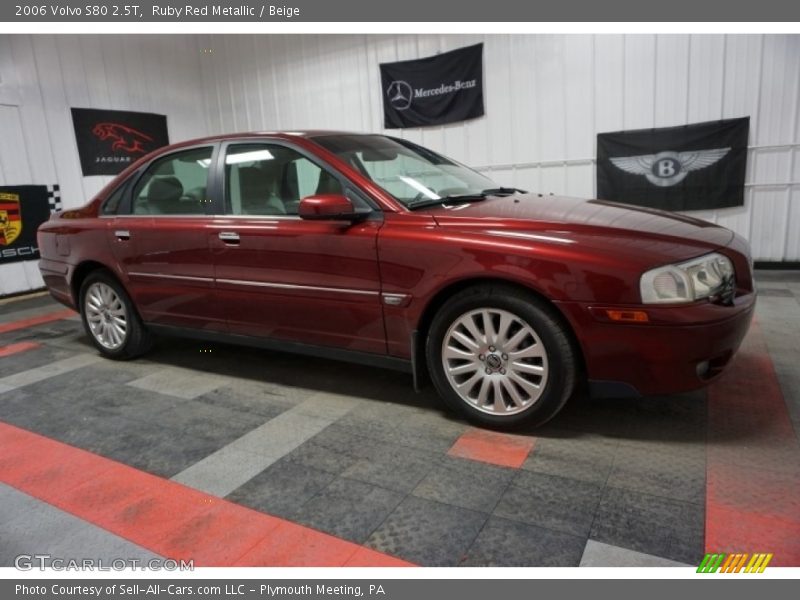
point(651, 235)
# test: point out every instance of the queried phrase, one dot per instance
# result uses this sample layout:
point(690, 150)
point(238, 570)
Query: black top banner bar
point(178, 11)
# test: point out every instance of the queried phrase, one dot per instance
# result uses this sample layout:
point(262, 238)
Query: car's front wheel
point(110, 319)
point(501, 357)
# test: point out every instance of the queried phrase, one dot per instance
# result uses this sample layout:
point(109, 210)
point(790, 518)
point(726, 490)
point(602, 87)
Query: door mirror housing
point(330, 207)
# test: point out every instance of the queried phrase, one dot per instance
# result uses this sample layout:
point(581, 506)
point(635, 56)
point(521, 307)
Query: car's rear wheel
point(501, 357)
point(110, 319)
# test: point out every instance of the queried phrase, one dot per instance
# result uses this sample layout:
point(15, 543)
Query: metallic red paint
point(324, 280)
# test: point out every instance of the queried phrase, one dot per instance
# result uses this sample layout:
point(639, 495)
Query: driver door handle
point(122, 234)
point(229, 237)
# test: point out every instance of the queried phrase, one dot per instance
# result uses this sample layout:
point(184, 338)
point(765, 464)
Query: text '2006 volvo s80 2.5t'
point(374, 249)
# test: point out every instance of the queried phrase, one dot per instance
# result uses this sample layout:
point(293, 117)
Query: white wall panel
point(671, 72)
point(639, 81)
point(609, 82)
point(51, 74)
point(706, 70)
point(793, 226)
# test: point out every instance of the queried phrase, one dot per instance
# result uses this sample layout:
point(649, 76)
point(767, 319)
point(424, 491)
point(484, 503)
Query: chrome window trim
point(154, 216)
point(267, 284)
point(165, 276)
point(261, 217)
point(293, 286)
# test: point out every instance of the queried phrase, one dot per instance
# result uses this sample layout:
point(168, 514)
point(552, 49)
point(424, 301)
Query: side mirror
point(330, 207)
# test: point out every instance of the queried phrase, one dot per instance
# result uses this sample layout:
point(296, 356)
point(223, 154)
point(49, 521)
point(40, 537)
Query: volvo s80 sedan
point(374, 249)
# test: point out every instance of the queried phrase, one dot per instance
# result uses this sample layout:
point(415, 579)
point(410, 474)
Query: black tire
point(137, 339)
point(562, 361)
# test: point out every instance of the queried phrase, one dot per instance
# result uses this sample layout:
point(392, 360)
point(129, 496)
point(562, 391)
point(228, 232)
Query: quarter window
point(174, 185)
point(111, 205)
point(266, 179)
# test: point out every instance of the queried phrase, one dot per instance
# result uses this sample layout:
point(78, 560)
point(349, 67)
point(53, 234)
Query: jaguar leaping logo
point(124, 138)
point(399, 94)
point(669, 168)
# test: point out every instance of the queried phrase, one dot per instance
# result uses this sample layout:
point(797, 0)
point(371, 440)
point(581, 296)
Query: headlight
point(686, 282)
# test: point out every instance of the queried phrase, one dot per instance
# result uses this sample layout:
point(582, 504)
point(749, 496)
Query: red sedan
point(376, 250)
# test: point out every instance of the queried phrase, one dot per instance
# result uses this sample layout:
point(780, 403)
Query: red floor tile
point(37, 320)
point(163, 516)
point(17, 348)
point(492, 447)
point(753, 461)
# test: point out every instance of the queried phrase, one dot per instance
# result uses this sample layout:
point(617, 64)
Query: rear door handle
point(229, 237)
point(122, 234)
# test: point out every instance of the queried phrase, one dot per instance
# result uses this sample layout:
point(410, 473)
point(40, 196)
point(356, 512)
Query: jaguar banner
point(110, 140)
point(689, 167)
point(435, 90)
point(22, 209)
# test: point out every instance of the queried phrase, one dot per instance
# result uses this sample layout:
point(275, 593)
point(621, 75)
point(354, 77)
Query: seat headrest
point(328, 184)
point(164, 192)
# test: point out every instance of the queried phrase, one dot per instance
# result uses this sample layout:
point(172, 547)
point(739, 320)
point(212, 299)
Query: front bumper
point(680, 349)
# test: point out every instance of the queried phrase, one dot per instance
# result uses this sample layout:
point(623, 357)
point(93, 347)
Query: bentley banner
point(22, 209)
point(435, 90)
point(690, 167)
point(110, 140)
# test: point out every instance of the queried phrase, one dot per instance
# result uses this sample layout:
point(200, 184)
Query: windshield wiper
point(471, 197)
point(427, 202)
point(502, 191)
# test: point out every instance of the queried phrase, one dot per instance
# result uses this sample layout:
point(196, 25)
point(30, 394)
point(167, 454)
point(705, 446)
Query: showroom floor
point(235, 456)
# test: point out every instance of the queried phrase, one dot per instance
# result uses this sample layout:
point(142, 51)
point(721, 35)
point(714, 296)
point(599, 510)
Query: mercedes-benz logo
point(399, 94)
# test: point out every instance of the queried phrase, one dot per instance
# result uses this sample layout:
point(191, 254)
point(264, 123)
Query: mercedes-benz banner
point(435, 90)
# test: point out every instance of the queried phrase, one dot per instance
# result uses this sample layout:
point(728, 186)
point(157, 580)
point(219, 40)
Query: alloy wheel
point(495, 361)
point(106, 315)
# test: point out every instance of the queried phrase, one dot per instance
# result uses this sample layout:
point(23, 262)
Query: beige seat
point(257, 193)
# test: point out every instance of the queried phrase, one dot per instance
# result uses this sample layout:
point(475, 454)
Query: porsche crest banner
point(22, 209)
point(110, 140)
point(435, 90)
point(690, 167)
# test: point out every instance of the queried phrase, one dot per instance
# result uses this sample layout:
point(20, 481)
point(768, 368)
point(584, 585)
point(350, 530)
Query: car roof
point(289, 134)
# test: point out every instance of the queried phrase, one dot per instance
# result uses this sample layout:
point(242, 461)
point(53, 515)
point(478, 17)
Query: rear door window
point(176, 184)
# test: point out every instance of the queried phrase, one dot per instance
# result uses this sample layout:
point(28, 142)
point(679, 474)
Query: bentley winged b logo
point(666, 169)
point(10, 219)
point(400, 94)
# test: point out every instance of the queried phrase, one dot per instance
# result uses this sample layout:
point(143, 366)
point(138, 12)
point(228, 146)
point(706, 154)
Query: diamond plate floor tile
point(282, 488)
point(465, 483)
point(265, 404)
point(585, 458)
point(179, 382)
point(667, 472)
point(344, 441)
point(331, 460)
point(204, 420)
point(394, 467)
point(650, 524)
point(555, 503)
point(428, 533)
point(504, 543)
point(349, 509)
point(31, 359)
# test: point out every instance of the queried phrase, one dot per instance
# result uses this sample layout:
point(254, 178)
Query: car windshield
point(412, 174)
